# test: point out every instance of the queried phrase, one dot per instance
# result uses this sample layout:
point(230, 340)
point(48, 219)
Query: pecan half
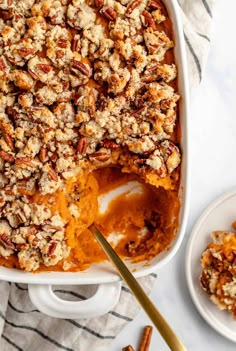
point(134, 4)
point(52, 174)
point(33, 108)
point(6, 242)
point(75, 45)
point(44, 67)
point(155, 4)
point(109, 144)
point(2, 64)
point(100, 156)
point(80, 66)
point(6, 156)
point(39, 98)
point(59, 54)
point(52, 248)
point(8, 139)
point(6, 15)
point(25, 187)
point(99, 3)
point(54, 227)
point(153, 68)
point(24, 52)
point(24, 162)
point(149, 21)
point(82, 146)
point(21, 217)
point(62, 43)
point(109, 13)
point(43, 154)
point(32, 230)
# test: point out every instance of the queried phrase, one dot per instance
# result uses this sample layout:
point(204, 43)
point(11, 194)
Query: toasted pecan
point(6, 156)
point(82, 145)
point(109, 13)
point(133, 5)
point(80, 66)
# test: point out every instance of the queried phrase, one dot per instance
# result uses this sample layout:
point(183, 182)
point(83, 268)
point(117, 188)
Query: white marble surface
point(213, 172)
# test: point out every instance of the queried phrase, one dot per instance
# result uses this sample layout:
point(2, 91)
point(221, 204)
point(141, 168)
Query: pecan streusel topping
point(218, 276)
point(83, 84)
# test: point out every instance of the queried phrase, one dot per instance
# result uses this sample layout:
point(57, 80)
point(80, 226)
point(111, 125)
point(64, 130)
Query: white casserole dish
point(104, 275)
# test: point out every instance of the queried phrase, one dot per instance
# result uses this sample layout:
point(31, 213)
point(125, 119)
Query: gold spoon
point(160, 323)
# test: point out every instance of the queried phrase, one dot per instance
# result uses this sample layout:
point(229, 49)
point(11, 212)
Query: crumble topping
point(83, 84)
point(218, 277)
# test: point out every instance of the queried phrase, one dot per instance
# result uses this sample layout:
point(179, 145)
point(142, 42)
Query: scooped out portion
point(139, 222)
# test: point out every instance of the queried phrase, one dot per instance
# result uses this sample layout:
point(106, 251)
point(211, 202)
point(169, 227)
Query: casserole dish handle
point(104, 299)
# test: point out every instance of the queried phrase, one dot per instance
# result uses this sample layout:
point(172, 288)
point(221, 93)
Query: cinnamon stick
point(128, 348)
point(146, 338)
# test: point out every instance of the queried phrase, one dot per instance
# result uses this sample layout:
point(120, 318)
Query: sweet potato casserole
point(218, 277)
point(84, 85)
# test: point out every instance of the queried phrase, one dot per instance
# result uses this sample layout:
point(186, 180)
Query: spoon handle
point(160, 323)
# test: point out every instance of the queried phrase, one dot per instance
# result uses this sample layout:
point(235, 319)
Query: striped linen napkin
point(22, 327)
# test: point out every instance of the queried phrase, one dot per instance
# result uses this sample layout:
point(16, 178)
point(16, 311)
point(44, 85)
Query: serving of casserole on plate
point(89, 102)
point(210, 265)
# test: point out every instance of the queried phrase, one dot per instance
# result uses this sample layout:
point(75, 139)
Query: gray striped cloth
point(24, 328)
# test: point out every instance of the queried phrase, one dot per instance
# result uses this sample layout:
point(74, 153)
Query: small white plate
point(218, 216)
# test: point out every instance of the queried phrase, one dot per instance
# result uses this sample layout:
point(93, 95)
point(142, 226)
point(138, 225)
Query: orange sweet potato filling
point(154, 209)
point(125, 215)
